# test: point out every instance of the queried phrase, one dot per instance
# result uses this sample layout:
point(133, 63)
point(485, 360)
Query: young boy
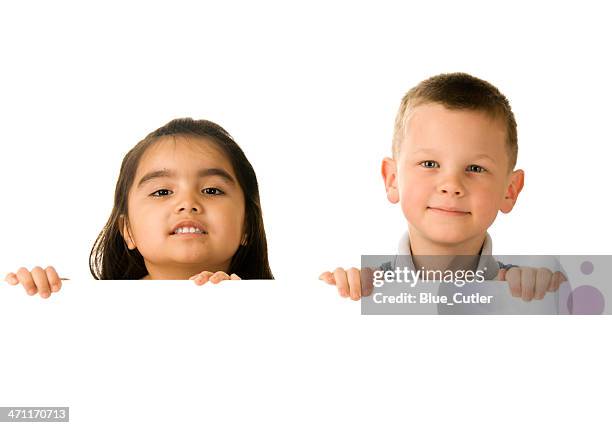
point(452, 170)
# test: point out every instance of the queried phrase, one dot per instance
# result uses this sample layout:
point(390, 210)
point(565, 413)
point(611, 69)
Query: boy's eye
point(475, 168)
point(429, 164)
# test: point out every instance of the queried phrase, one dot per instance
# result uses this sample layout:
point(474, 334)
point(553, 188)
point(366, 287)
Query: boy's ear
point(389, 173)
point(517, 179)
point(125, 232)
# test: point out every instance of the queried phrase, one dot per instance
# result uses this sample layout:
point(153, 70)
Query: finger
point(235, 277)
point(367, 281)
point(557, 279)
point(40, 279)
point(501, 275)
point(513, 277)
point(354, 282)
point(11, 278)
point(543, 280)
point(218, 277)
point(528, 279)
point(25, 278)
point(202, 278)
point(55, 281)
point(341, 282)
point(328, 277)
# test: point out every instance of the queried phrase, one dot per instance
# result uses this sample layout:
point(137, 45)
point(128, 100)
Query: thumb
point(328, 277)
point(11, 278)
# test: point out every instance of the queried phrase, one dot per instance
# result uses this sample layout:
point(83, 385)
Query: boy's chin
point(448, 237)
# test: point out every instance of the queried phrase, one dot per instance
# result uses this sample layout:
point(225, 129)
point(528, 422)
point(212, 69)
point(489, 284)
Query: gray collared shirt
point(486, 262)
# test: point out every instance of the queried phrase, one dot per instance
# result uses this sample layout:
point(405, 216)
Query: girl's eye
point(475, 168)
point(213, 191)
point(160, 190)
point(430, 164)
point(207, 191)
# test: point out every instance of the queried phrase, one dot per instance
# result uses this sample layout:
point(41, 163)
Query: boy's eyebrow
point(204, 172)
point(421, 150)
point(477, 156)
point(485, 156)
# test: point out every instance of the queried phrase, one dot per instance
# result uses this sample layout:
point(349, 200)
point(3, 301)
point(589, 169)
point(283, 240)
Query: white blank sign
point(265, 353)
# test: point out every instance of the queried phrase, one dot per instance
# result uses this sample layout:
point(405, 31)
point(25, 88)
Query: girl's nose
point(194, 209)
point(190, 203)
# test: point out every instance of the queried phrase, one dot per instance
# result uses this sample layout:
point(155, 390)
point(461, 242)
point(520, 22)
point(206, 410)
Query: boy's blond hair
point(458, 91)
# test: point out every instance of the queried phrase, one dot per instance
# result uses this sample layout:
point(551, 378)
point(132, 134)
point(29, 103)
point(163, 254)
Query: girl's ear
point(389, 173)
point(124, 229)
point(244, 240)
point(517, 179)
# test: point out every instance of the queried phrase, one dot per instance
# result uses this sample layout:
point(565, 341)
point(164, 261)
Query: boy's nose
point(451, 187)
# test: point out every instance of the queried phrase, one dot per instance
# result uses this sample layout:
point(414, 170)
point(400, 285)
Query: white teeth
point(187, 230)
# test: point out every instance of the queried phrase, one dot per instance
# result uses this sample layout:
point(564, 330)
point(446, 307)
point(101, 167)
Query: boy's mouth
point(452, 211)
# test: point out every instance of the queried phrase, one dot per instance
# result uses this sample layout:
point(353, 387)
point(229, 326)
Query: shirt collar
point(486, 263)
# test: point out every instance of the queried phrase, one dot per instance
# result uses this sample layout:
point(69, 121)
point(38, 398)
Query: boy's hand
point(215, 278)
point(531, 283)
point(525, 282)
point(44, 282)
point(351, 282)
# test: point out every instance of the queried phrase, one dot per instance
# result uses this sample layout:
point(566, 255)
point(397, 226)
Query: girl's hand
point(44, 282)
point(215, 278)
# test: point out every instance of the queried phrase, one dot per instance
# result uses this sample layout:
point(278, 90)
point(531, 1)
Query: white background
point(310, 92)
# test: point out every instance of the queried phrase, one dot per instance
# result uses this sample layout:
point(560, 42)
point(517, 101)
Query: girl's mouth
point(189, 231)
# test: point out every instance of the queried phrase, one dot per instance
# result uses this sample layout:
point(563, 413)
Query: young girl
point(186, 207)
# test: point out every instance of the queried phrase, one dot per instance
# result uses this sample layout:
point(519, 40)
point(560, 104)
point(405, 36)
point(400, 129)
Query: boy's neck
point(422, 250)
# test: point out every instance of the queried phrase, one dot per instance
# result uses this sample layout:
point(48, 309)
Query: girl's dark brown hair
point(110, 257)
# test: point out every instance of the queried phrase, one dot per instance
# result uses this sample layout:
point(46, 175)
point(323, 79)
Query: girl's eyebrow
point(204, 172)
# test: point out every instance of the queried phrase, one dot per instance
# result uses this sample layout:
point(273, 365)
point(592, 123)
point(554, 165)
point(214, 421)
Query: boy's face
point(451, 175)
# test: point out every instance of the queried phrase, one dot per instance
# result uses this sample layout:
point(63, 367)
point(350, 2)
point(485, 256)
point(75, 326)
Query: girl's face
point(185, 178)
